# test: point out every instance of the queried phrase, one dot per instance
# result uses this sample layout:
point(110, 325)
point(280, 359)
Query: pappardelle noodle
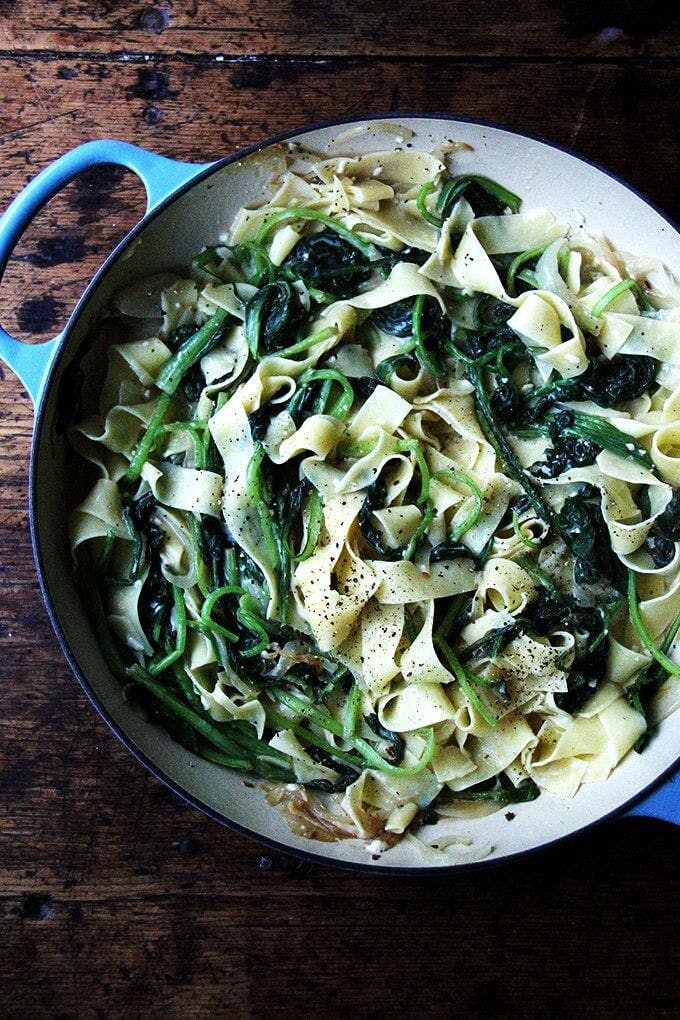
point(386, 505)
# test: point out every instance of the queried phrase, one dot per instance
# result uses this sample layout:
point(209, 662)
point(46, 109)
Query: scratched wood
point(617, 114)
point(115, 899)
point(609, 28)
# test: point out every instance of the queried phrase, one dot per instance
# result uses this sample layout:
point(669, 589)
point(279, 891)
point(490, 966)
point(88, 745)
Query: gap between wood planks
point(425, 59)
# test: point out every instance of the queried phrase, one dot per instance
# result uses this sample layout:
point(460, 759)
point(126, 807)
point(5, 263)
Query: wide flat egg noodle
point(185, 488)
point(637, 334)
point(331, 613)
point(99, 512)
point(420, 662)
point(586, 749)
point(232, 437)
point(540, 320)
point(401, 581)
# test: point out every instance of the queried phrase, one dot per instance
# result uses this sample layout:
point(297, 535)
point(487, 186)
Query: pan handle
point(161, 177)
point(663, 802)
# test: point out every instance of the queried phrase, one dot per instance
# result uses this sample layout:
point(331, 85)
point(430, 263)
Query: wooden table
point(115, 899)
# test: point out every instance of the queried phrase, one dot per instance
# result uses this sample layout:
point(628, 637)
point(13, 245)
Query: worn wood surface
point(115, 900)
point(574, 28)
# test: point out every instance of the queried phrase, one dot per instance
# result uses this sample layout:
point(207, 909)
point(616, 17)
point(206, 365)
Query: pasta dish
point(382, 496)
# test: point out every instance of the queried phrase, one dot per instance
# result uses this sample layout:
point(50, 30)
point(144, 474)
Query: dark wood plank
point(116, 900)
point(616, 114)
point(313, 27)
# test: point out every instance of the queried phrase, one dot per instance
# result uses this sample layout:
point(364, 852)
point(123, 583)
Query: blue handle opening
point(160, 176)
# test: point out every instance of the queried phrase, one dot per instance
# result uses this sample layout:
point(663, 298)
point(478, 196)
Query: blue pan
point(189, 206)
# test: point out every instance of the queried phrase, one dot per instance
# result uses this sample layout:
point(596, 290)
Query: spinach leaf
point(259, 421)
point(491, 314)
point(193, 382)
point(389, 259)
point(492, 643)
point(253, 262)
point(501, 791)
point(450, 551)
point(327, 261)
point(660, 543)
point(386, 369)
point(346, 774)
point(507, 403)
point(610, 382)
point(581, 684)
point(546, 612)
point(397, 319)
point(271, 317)
point(191, 348)
point(483, 343)
point(577, 520)
point(660, 548)
point(587, 672)
point(302, 403)
point(376, 494)
point(595, 434)
point(584, 529)
point(487, 197)
point(568, 450)
point(155, 598)
point(363, 387)
point(396, 745)
point(214, 545)
point(668, 523)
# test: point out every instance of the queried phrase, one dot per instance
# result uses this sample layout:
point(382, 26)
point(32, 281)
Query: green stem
point(350, 716)
point(371, 757)
point(176, 367)
point(456, 187)
point(146, 443)
point(258, 497)
point(530, 543)
point(284, 722)
point(461, 675)
point(636, 618)
point(518, 262)
point(505, 453)
point(210, 603)
point(194, 522)
point(187, 715)
point(423, 527)
point(601, 432)
point(198, 430)
point(245, 765)
point(159, 665)
point(429, 217)
point(452, 475)
point(342, 406)
point(301, 213)
point(362, 447)
point(458, 604)
point(419, 337)
point(314, 524)
point(413, 446)
point(249, 617)
point(306, 343)
point(616, 291)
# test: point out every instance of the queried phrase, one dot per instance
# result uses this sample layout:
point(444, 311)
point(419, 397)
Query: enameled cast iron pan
point(189, 205)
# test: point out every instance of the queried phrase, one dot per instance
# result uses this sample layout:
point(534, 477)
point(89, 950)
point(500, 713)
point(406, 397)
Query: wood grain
point(115, 899)
point(616, 114)
point(554, 28)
